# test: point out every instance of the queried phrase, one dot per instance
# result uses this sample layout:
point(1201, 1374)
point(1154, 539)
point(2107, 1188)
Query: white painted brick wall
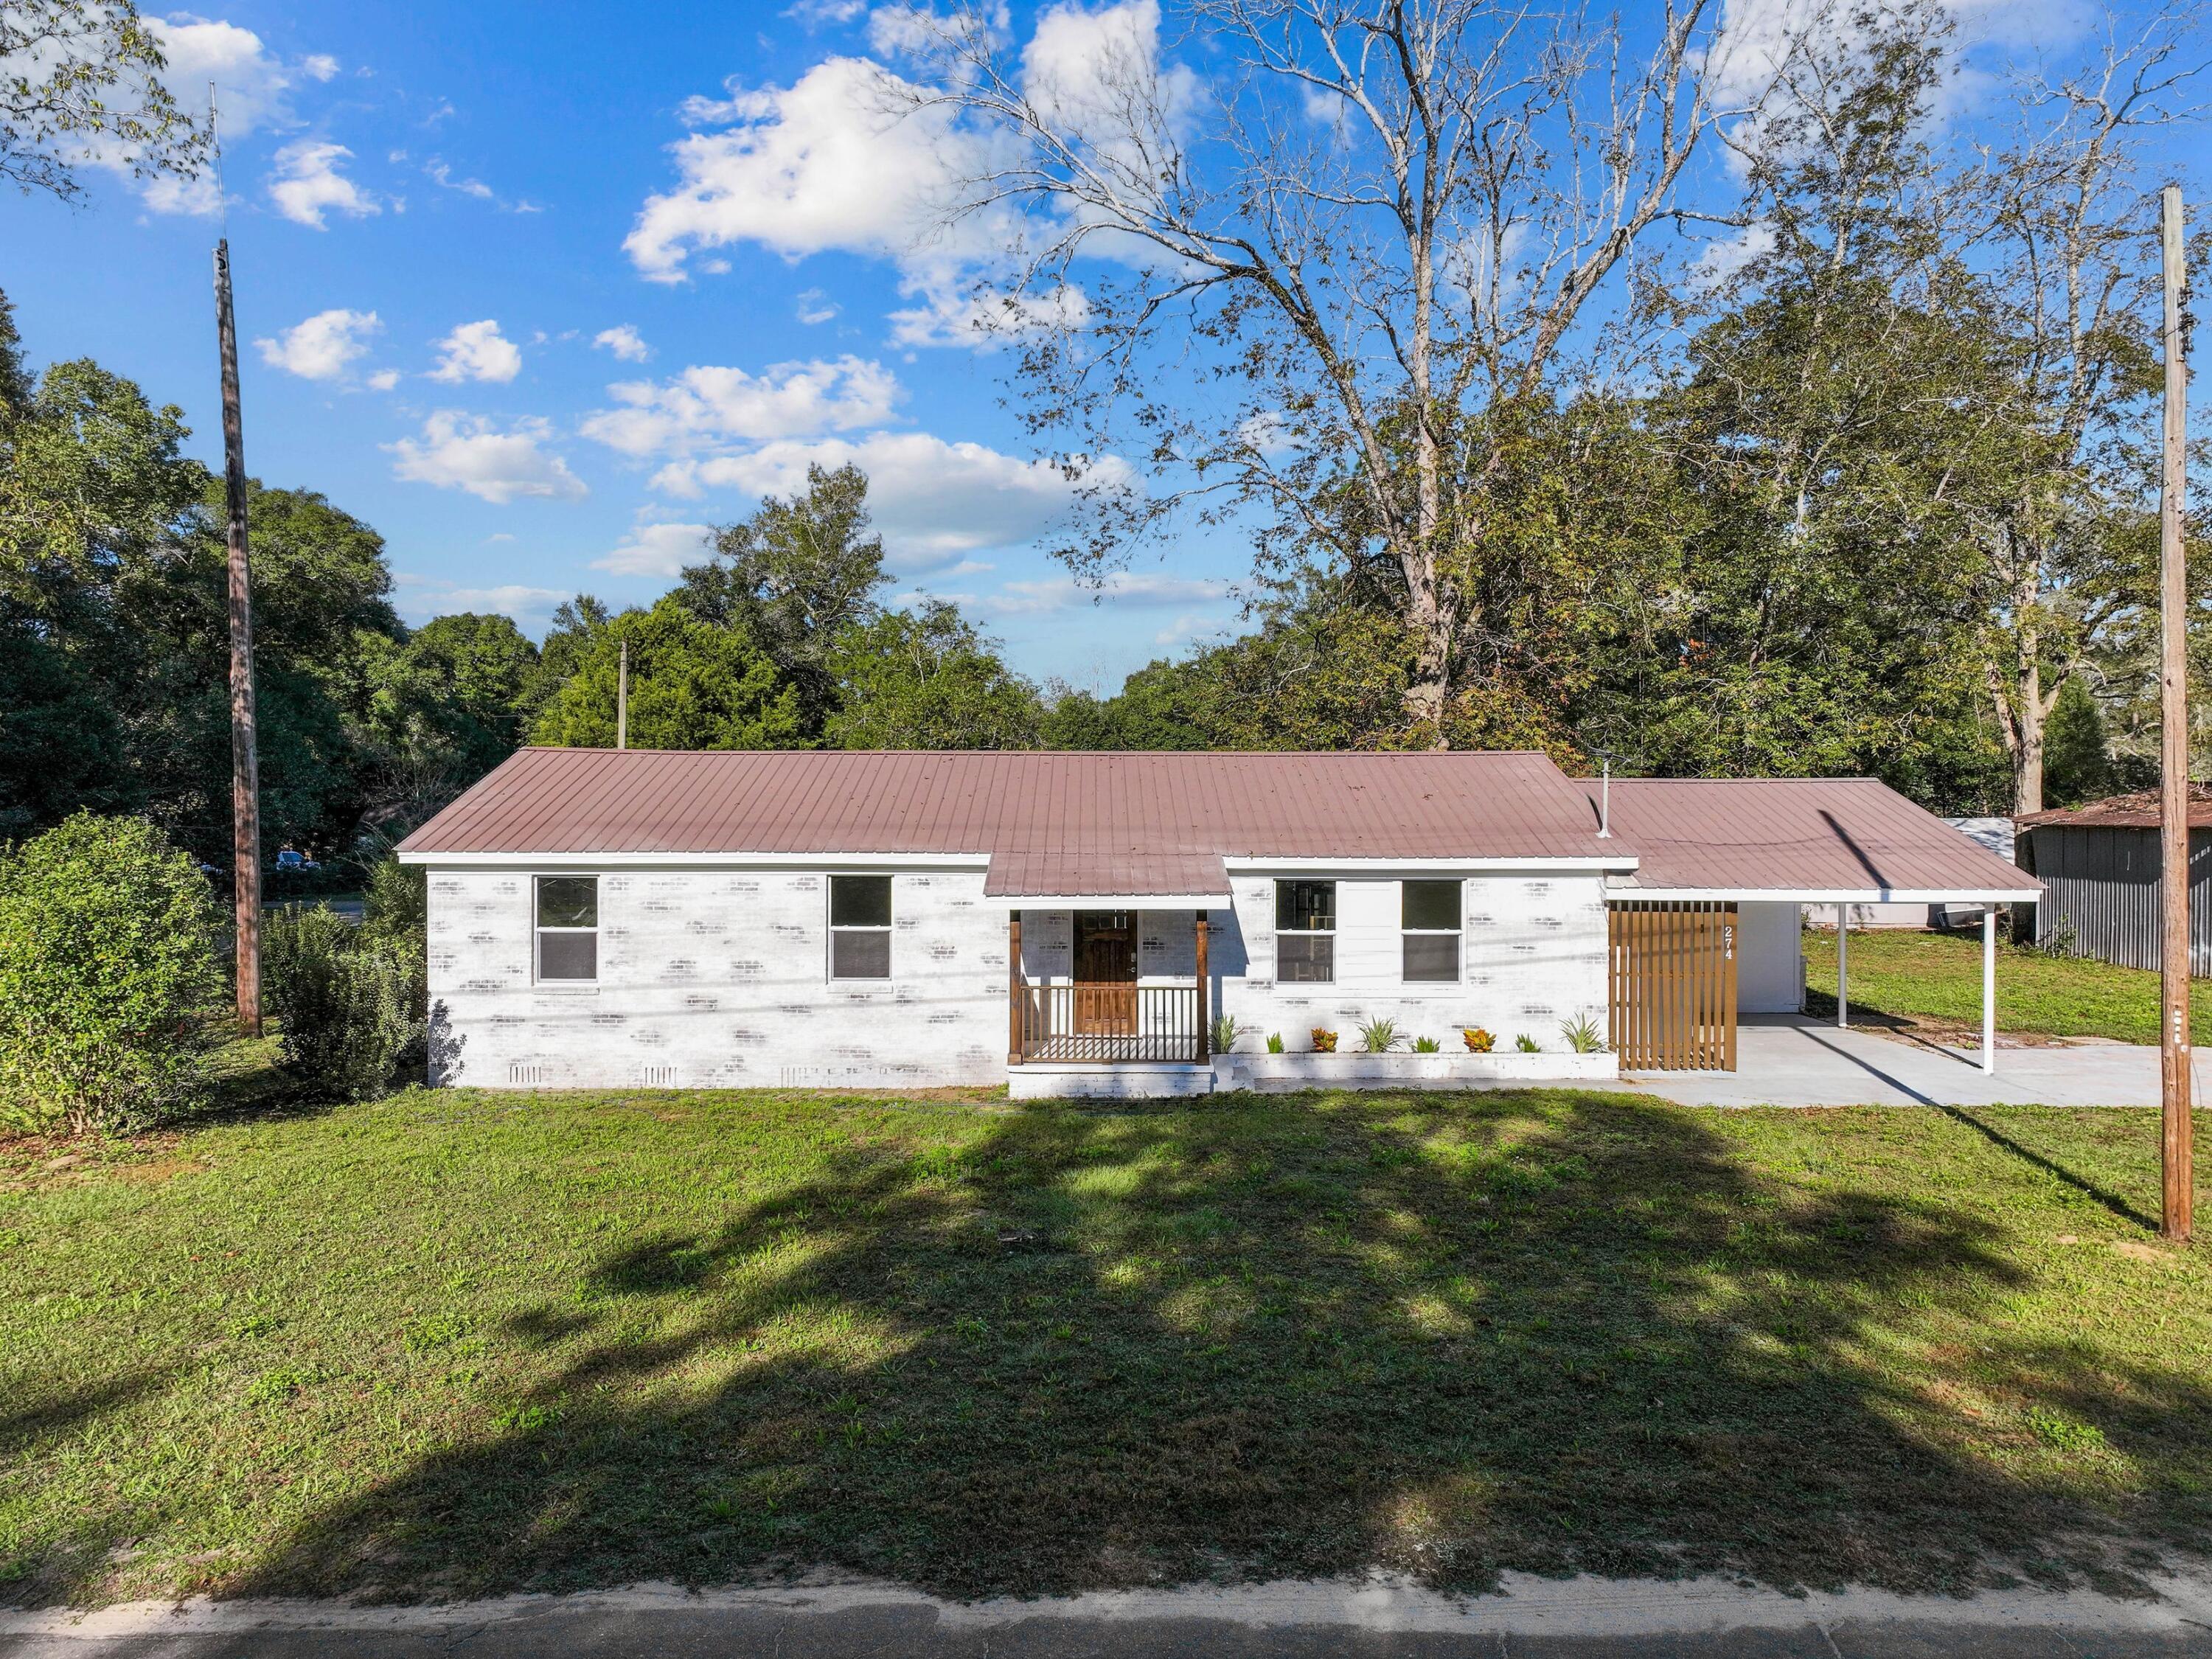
point(1532, 955)
point(719, 978)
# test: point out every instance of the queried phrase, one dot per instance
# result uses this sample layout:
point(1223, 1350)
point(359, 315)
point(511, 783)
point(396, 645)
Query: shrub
point(1583, 1035)
point(109, 969)
point(342, 999)
point(1324, 1043)
point(1525, 1043)
point(1275, 1043)
point(396, 918)
point(1378, 1035)
point(1478, 1041)
point(1427, 1045)
point(1222, 1035)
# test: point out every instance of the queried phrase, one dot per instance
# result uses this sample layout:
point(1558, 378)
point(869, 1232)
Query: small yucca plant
point(1378, 1035)
point(1427, 1045)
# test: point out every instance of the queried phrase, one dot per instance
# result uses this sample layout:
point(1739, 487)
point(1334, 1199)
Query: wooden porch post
point(1013, 988)
point(1205, 1022)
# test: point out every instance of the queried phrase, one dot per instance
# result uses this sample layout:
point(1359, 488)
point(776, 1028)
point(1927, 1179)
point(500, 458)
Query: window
point(1305, 933)
point(1429, 913)
point(860, 927)
point(568, 927)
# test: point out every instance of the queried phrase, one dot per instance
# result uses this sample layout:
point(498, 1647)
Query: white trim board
point(1836, 894)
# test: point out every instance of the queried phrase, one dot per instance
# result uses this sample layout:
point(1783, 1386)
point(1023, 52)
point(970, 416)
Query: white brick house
point(1063, 923)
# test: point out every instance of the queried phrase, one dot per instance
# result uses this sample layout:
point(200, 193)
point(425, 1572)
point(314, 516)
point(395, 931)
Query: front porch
point(1101, 1010)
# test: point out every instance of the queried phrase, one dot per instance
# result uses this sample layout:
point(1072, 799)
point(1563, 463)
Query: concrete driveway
point(1788, 1061)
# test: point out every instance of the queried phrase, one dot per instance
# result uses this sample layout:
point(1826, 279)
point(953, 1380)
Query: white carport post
point(1842, 966)
point(1990, 987)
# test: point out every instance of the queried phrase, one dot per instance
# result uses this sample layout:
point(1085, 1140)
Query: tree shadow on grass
point(1559, 1332)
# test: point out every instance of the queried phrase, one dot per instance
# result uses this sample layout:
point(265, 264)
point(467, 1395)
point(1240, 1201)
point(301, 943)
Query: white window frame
point(539, 930)
point(1457, 933)
point(829, 910)
point(1329, 932)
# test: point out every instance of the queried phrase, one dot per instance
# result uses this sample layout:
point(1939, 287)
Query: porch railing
point(1108, 1023)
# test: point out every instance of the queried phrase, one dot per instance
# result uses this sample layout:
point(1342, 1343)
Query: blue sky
point(541, 290)
point(428, 208)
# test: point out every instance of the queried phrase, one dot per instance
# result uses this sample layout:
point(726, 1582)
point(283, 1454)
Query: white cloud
point(320, 347)
point(477, 351)
point(815, 306)
point(307, 184)
point(825, 163)
point(825, 14)
point(624, 342)
point(657, 549)
point(1126, 588)
point(384, 379)
point(984, 320)
point(442, 175)
point(470, 453)
point(705, 406)
point(319, 66)
point(421, 598)
point(1080, 61)
point(933, 500)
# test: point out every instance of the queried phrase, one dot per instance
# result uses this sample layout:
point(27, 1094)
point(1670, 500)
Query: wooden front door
point(1106, 973)
point(1674, 985)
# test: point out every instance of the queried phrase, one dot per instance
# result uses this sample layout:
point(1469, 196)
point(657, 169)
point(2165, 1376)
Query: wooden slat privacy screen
point(1674, 985)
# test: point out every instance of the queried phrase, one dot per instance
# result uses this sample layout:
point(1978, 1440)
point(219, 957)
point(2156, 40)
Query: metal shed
point(2099, 867)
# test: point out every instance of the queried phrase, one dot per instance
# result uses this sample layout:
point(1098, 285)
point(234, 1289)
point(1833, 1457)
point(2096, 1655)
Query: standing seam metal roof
point(1803, 834)
point(1052, 823)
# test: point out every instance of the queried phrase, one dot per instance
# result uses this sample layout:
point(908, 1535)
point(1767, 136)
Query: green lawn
point(1935, 978)
point(457, 1342)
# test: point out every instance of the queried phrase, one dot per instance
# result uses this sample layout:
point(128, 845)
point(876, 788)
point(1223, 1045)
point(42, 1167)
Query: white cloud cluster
point(1127, 588)
point(934, 501)
point(477, 351)
point(307, 184)
point(985, 318)
point(320, 347)
point(471, 452)
point(421, 598)
point(624, 341)
point(705, 406)
point(657, 549)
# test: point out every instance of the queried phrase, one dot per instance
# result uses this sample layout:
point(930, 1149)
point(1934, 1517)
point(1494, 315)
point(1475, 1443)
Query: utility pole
point(622, 700)
point(2174, 1072)
point(245, 766)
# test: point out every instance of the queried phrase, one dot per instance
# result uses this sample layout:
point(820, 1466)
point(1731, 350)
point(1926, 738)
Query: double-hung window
point(860, 927)
point(1305, 933)
point(1429, 914)
point(568, 927)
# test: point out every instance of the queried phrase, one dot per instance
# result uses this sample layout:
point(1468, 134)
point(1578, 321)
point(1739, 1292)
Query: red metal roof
point(1796, 835)
point(2141, 811)
point(1052, 823)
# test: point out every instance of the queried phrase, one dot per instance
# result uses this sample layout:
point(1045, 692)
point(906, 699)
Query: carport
point(1707, 927)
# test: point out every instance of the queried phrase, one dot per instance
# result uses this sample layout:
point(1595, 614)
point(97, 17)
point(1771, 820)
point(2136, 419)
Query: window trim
point(1329, 933)
point(1456, 933)
point(835, 927)
point(539, 930)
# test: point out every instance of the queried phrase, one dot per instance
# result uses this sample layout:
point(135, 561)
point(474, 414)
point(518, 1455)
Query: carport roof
point(1813, 840)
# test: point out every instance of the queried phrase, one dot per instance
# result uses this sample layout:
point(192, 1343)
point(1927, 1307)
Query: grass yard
point(451, 1343)
point(1933, 980)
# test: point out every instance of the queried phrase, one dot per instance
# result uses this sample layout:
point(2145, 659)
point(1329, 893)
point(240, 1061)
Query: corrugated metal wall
point(2104, 883)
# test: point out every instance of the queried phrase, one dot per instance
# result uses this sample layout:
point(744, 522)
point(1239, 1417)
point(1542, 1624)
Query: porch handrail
point(1108, 1023)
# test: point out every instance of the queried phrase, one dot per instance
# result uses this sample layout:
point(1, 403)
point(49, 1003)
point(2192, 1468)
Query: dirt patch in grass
point(462, 1343)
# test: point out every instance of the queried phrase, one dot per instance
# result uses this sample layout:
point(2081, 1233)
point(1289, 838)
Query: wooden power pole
point(245, 765)
point(2174, 1072)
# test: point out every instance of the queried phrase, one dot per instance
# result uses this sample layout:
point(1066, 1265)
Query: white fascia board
point(1616, 863)
point(1112, 901)
point(689, 860)
point(1837, 894)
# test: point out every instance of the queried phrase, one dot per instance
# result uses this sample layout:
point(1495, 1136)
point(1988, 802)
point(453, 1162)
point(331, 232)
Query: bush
point(341, 996)
point(396, 918)
point(109, 968)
